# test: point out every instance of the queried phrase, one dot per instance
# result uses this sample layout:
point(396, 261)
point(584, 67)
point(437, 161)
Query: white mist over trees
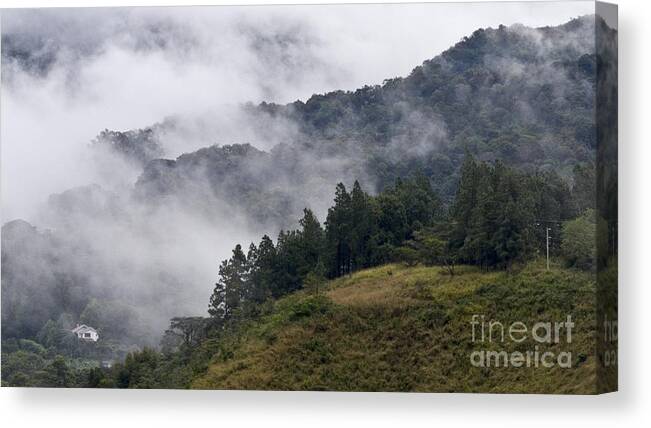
point(143, 218)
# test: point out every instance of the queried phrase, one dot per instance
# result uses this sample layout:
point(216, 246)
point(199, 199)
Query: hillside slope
point(395, 328)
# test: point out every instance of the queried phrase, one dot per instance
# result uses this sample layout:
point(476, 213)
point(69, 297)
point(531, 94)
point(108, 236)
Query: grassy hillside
point(395, 328)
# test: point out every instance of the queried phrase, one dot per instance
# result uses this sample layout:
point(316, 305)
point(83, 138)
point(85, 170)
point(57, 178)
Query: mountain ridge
point(494, 94)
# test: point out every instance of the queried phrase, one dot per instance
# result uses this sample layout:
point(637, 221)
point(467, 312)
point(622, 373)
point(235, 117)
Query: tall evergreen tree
point(289, 263)
point(338, 233)
point(229, 291)
point(312, 240)
point(464, 202)
point(511, 239)
point(261, 270)
point(392, 218)
point(363, 228)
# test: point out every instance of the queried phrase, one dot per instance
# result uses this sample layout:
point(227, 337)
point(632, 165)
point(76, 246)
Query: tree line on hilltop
point(498, 218)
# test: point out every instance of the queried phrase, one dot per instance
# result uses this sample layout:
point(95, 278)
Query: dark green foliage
point(58, 374)
point(96, 378)
point(20, 363)
point(408, 205)
point(492, 216)
point(268, 270)
point(291, 265)
point(26, 363)
point(262, 262)
point(230, 289)
point(408, 255)
point(361, 231)
point(315, 279)
point(338, 233)
point(499, 215)
point(311, 239)
point(579, 246)
point(183, 333)
point(495, 221)
point(431, 247)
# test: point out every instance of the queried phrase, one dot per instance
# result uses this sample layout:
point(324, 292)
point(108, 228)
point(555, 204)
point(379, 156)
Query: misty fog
point(187, 75)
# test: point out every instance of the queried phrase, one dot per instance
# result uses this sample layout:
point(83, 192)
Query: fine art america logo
point(492, 333)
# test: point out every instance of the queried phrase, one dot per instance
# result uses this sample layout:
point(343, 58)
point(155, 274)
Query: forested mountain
point(457, 162)
point(523, 96)
point(520, 95)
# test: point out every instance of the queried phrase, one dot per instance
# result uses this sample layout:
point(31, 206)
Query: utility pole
point(548, 229)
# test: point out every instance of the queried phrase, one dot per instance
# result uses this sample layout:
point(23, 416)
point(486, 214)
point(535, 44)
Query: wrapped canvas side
point(606, 195)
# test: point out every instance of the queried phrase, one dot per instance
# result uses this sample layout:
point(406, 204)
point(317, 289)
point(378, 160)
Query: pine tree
point(261, 274)
point(512, 239)
point(289, 261)
point(230, 289)
point(338, 233)
point(362, 230)
point(392, 218)
point(254, 291)
point(477, 246)
point(312, 237)
point(465, 202)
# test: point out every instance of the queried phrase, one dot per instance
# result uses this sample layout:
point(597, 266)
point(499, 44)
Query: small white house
point(85, 332)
